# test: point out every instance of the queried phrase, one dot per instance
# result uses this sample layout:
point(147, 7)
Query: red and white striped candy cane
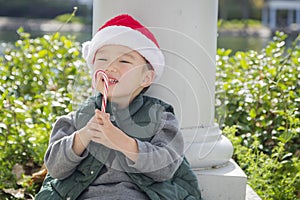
point(105, 89)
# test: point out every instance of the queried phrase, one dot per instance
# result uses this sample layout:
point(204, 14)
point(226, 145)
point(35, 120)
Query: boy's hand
point(89, 132)
point(114, 138)
point(108, 133)
point(97, 130)
point(100, 130)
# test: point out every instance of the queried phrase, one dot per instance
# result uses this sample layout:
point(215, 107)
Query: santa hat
point(125, 30)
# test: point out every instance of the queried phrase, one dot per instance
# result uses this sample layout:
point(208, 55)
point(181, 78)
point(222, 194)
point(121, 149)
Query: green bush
point(37, 83)
point(273, 177)
point(261, 95)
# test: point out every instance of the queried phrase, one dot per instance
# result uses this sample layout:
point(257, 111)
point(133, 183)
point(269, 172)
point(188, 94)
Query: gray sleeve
point(60, 159)
point(161, 157)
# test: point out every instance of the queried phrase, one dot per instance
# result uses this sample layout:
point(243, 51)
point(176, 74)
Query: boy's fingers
point(94, 120)
point(102, 116)
point(98, 117)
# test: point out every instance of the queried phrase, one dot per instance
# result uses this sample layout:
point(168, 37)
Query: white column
point(187, 34)
point(265, 15)
point(290, 17)
point(298, 18)
point(273, 20)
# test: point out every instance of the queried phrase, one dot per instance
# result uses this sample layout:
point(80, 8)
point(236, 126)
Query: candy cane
point(105, 89)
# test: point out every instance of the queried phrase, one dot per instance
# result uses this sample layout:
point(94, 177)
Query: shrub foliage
point(37, 82)
point(261, 95)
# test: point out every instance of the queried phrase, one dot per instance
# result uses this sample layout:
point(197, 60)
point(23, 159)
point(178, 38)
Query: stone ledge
point(224, 183)
point(251, 194)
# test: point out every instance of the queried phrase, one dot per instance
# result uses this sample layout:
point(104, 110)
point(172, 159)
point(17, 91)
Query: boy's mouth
point(111, 81)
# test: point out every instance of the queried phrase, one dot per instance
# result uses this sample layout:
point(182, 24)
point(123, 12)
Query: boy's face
point(127, 73)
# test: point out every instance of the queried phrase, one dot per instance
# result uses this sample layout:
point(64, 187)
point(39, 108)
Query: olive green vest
point(140, 121)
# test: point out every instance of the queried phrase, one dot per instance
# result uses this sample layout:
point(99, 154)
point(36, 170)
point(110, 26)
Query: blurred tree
point(40, 8)
point(258, 3)
point(240, 9)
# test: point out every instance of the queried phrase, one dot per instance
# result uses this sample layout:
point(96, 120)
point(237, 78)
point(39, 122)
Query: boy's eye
point(125, 61)
point(102, 59)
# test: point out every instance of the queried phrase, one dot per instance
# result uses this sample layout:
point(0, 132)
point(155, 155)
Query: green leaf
point(2, 125)
point(42, 53)
point(252, 113)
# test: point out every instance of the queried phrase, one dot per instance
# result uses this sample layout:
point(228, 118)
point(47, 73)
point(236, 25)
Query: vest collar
point(123, 113)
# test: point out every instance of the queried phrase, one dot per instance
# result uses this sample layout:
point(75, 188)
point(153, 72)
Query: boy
point(135, 150)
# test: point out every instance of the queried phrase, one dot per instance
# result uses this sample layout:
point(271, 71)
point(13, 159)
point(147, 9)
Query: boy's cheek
point(98, 65)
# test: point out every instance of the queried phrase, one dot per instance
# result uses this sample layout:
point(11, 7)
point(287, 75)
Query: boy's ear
point(148, 78)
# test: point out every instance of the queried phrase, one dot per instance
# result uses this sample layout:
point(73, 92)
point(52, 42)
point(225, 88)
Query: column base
point(206, 147)
point(225, 183)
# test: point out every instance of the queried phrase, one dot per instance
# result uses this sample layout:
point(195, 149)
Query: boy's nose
point(112, 67)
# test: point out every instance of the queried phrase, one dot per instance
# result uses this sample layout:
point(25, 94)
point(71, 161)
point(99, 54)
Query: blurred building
point(281, 13)
point(88, 3)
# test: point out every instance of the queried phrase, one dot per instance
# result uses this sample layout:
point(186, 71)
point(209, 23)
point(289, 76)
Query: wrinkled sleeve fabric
point(60, 159)
point(160, 158)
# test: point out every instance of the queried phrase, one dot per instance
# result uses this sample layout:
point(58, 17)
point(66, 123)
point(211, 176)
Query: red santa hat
point(125, 30)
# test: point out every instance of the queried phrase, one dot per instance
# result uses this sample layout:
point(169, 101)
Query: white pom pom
point(85, 49)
